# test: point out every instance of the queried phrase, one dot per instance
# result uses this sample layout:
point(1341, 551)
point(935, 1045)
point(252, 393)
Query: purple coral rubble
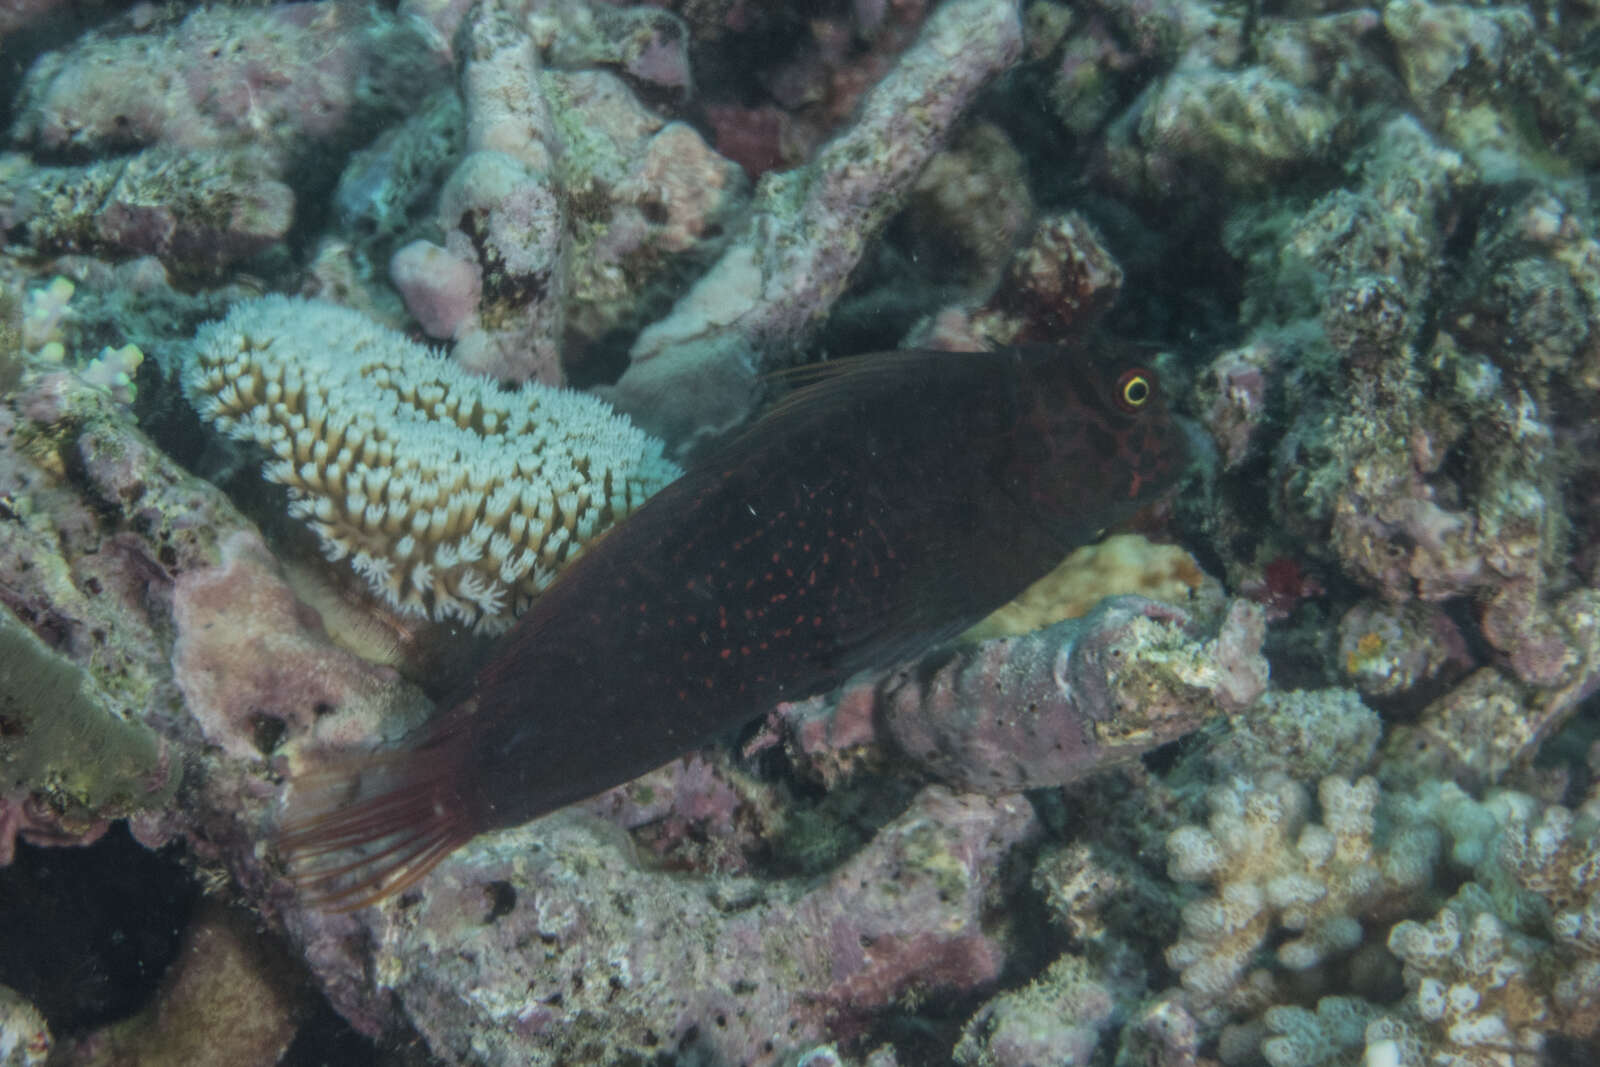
point(788, 963)
point(695, 371)
point(206, 208)
point(1042, 709)
point(503, 203)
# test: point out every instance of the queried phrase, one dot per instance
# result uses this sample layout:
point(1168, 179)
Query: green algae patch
point(61, 736)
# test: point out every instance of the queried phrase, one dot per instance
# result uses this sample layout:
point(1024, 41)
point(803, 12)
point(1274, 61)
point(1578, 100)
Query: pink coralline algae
point(270, 674)
point(1043, 709)
point(277, 78)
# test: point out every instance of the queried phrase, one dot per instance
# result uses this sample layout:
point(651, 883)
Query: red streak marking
point(1133, 490)
point(711, 683)
point(744, 650)
point(726, 653)
point(816, 620)
point(776, 556)
point(788, 572)
point(683, 694)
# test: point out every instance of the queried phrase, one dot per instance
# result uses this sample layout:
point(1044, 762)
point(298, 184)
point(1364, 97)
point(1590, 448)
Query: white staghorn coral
point(451, 496)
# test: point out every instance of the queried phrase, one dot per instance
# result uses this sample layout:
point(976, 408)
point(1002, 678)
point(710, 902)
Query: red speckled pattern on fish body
point(889, 506)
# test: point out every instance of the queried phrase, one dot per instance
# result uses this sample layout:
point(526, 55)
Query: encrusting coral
point(451, 497)
point(1122, 563)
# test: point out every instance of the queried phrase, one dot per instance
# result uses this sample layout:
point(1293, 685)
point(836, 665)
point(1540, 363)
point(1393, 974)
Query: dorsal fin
point(823, 388)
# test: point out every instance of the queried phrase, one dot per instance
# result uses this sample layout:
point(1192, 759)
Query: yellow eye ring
point(1134, 389)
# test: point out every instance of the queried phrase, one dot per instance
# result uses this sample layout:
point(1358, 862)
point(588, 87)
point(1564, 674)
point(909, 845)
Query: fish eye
point(1135, 388)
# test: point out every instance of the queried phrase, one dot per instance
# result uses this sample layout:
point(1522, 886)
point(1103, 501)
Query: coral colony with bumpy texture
point(407, 411)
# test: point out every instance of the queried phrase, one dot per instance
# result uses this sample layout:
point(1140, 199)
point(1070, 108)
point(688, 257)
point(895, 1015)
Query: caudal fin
point(356, 833)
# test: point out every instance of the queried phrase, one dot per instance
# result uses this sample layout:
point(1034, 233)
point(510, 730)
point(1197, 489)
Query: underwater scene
point(800, 533)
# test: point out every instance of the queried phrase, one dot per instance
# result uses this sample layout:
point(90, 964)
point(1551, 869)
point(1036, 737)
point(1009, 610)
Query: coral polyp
point(451, 497)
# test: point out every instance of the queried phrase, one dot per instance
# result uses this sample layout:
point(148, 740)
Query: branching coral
point(1272, 867)
point(450, 496)
point(1511, 959)
point(1474, 986)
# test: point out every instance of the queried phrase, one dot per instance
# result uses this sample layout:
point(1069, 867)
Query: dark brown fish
point(887, 506)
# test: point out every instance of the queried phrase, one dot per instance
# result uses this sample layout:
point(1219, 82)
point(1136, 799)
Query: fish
point(882, 507)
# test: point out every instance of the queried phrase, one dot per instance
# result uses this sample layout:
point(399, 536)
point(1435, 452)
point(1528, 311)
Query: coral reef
point(632, 969)
point(198, 209)
point(695, 371)
point(971, 204)
point(572, 205)
point(1061, 280)
point(1058, 1018)
point(1038, 710)
point(1328, 796)
point(500, 205)
point(1273, 869)
point(43, 312)
point(450, 497)
point(311, 72)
